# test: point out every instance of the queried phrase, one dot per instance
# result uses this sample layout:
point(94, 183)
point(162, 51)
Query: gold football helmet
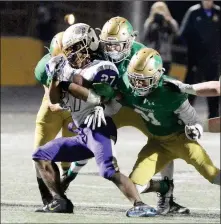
point(56, 44)
point(145, 70)
point(116, 38)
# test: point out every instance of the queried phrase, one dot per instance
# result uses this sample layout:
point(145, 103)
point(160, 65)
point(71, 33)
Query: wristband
point(65, 85)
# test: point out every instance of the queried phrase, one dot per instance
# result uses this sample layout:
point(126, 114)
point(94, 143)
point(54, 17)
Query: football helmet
point(56, 44)
point(116, 39)
point(78, 40)
point(145, 70)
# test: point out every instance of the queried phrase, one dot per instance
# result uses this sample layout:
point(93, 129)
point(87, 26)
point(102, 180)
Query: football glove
point(193, 132)
point(95, 118)
point(54, 67)
point(105, 90)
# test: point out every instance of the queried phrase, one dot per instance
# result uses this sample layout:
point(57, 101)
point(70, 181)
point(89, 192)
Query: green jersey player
point(172, 123)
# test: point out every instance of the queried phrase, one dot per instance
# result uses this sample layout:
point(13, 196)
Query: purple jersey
point(97, 71)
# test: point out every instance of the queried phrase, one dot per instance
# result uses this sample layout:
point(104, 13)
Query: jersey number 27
point(109, 76)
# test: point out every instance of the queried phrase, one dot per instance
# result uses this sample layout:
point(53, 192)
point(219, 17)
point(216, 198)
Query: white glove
point(54, 67)
point(194, 132)
point(95, 118)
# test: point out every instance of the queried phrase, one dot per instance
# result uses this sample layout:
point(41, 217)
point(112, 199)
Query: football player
point(172, 123)
point(117, 43)
point(51, 118)
point(78, 42)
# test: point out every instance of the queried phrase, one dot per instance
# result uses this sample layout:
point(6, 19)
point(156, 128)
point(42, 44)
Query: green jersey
point(40, 71)
point(122, 66)
point(157, 109)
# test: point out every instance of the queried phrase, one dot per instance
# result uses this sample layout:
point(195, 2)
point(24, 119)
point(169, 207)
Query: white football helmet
point(78, 40)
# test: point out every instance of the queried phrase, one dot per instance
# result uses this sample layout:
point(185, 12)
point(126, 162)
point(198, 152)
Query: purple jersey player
point(93, 139)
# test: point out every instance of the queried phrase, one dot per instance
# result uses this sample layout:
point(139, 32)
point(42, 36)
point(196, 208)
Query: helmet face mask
point(116, 51)
point(78, 54)
point(116, 39)
point(144, 85)
point(78, 40)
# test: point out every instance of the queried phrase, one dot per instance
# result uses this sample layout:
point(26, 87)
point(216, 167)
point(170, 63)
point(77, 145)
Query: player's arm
point(211, 88)
point(207, 89)
point(79, 88)
point(42, 77)
point(53, 106)
point(74, 85)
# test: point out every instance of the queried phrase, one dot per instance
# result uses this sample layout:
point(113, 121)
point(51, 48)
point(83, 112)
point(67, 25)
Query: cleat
point(141, 210)
point(70, 206)
point(177, 209)
point(58, 205)
point(163, 204)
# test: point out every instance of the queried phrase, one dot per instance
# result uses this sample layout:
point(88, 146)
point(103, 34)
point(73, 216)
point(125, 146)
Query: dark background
point(25, 19)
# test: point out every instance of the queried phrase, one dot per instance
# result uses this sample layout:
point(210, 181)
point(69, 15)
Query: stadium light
point(70, 19)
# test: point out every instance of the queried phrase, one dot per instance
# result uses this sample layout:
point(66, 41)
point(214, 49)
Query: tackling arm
point(53, 106)
point(80, 92)
point(54, 92)
point(211, 88)
point(206, 89)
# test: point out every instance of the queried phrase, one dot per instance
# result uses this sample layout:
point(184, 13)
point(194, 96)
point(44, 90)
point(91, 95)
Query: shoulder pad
point(171, 83)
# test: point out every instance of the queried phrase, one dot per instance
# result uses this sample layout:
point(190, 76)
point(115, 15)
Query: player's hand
point(194, 132)
point(54, 67)
point(95, 118)
point(105, 90)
